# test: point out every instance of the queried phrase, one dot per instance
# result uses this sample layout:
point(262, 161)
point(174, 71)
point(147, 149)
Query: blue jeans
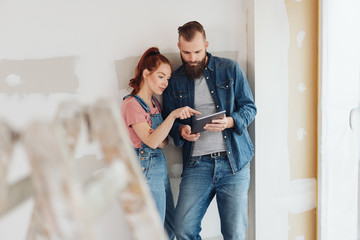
point(203, 178)
point(154, 167)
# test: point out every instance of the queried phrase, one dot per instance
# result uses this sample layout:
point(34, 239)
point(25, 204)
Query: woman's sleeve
point(133, 113)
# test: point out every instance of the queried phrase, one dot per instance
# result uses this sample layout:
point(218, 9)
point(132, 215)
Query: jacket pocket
point(226, 85)
point(226, 92)
point(181, 94)
point(181, 98)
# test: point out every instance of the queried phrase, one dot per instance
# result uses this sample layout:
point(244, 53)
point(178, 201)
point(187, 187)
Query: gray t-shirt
point(208, 142)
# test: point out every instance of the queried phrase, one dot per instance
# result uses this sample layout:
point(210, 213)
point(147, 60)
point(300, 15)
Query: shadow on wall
point(125, 67)
point(44, 76)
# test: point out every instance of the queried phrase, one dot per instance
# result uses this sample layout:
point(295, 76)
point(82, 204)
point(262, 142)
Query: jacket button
point(141, 152)
point(224, 136)
point(142, 158)
point(212, 91)
point(143, 168)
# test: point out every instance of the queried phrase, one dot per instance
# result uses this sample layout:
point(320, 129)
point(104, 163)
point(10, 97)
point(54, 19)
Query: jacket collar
point(211, 62)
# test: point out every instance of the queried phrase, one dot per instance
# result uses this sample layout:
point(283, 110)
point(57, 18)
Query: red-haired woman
point(147, 129)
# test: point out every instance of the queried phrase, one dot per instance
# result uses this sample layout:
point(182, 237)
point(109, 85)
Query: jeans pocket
point(192, 162)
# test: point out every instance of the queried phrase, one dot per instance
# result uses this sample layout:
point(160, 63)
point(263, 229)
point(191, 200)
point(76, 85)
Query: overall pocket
point(145, 163)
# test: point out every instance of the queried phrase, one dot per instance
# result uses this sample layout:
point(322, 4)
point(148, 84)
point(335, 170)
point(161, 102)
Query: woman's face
point(158, 80)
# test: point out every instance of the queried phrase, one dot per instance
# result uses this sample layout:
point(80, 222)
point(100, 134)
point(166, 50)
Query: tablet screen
point(198, 125)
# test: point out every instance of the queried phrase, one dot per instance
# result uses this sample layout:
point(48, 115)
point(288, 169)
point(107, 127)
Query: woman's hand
point(184, 112)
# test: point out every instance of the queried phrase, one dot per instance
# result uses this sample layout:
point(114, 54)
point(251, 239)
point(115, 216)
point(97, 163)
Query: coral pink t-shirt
point(132, 112)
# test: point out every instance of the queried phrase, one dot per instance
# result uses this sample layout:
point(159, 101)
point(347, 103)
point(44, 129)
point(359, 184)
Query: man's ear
point(178, 44)
point(206, 44)
point(146, 73)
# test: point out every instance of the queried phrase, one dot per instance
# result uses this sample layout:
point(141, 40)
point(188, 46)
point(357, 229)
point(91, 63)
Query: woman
point(148, 131)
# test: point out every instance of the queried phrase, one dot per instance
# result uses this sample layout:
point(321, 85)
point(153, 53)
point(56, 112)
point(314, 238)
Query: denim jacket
point(231, 92)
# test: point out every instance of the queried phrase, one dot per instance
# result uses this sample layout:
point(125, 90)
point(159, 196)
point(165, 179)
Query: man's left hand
point(218, 125)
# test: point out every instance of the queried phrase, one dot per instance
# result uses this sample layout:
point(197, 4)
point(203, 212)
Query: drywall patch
point(301, 87)
point(302, 231)
point(301, 134)
point(13, 80)
point(43, 76)
point(302, 66)
point(298, 196)
point(300, 38)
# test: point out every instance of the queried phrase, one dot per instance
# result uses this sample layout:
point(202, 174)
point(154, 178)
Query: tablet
point(198, 125)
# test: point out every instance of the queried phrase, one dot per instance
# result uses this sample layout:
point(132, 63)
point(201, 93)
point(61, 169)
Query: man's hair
point(188, 30)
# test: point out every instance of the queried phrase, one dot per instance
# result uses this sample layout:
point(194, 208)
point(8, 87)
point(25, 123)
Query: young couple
point(216, 162)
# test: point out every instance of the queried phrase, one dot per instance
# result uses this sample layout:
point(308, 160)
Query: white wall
point(55, 50)
point(339, 143)
point(272, 162)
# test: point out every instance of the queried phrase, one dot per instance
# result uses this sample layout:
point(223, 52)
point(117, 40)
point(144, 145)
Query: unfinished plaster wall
point(285, 68)
point(302, 113)
point(52, 51)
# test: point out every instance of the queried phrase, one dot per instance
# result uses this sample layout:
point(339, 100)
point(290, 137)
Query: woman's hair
point(150, 60)
point(188, 30)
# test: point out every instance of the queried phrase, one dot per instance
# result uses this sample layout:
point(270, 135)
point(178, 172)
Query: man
point(215, 162)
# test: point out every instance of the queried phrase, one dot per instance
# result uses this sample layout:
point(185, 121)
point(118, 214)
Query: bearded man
point(216, 162)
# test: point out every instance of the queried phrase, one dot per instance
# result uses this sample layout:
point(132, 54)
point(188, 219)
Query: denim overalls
point(154, 167)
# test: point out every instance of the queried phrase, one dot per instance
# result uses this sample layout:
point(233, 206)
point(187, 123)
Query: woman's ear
point(146, 73)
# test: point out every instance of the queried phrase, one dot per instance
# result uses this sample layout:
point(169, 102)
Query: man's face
point(193, 55)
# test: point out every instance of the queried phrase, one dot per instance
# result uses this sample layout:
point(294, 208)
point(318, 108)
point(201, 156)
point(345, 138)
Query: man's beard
point(194, 71)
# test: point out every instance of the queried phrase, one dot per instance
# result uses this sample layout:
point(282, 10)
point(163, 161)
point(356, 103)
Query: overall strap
point(156, 103)
point(140, 101)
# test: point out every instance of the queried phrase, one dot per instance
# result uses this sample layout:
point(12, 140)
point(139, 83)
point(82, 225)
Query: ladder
point(66, 206)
